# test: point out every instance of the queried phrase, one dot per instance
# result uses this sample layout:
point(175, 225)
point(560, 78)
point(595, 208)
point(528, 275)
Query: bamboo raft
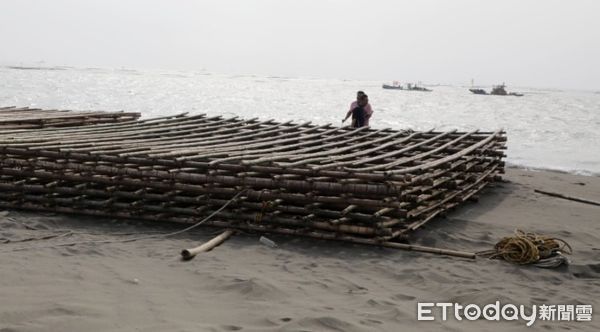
point(338, 183)
point(31, 118)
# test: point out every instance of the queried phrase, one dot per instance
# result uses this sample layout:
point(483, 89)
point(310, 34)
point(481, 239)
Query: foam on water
point(547, 129)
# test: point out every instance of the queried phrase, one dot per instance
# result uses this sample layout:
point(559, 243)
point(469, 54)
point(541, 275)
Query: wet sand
point(304, 284)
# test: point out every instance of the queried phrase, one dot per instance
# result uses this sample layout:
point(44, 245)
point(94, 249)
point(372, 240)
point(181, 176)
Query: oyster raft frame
point(362, 185)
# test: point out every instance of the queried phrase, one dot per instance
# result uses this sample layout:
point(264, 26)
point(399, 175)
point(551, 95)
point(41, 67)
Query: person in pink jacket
point(360, 110)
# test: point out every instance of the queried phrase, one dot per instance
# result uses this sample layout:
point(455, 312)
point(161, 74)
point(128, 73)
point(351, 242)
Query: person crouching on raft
point(360, 110)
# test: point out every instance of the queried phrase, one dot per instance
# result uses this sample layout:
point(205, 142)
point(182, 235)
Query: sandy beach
point(303, 284)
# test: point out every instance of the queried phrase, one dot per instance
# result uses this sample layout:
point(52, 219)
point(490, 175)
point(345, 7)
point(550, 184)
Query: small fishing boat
point(414, 87)
point(498, 90)
point(478, 91)
point(408, 87)
point(392, 87)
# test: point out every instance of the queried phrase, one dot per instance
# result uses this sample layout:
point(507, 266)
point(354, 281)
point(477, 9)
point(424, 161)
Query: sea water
point(547, 128)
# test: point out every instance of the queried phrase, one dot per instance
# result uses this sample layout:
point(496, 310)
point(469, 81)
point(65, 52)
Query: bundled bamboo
point(30, 118)
point(361, 185)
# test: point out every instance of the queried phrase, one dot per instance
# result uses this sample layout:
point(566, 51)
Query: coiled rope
point(530, 248)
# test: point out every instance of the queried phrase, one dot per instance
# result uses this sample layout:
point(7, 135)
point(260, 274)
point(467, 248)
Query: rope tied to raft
point(265, 207)
point(530, 248)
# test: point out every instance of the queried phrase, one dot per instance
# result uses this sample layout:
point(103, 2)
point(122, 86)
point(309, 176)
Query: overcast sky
point(544, 43)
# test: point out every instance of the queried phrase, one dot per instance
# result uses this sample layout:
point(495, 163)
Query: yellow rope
point(527, 248)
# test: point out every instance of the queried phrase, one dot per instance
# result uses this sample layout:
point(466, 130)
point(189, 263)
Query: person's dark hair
point(360, 93)
point(363, 100)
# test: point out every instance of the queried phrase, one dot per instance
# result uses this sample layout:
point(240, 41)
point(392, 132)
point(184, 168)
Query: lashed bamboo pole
point(387, 155)
point(403, 161)
point(235, 140)
point(174, 129)
point(194, 139)
point(192, 164)
point(82, 202)
point(49, 133)
point(137, 135)
point(252, 182)
point(254, 194)
point(15, 118)
point(142, 194)
point(261, 149)
point(331, 157)
point(448, 158)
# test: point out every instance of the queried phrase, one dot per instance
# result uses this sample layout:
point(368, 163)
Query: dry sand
point(304, 285)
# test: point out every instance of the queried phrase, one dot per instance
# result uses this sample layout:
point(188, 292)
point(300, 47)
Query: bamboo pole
point(446, 159)
point(571, 198)
point(208, 246)
point(389, 154)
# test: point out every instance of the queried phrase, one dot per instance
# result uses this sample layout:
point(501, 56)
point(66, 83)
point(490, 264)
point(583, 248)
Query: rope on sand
point(530, 248)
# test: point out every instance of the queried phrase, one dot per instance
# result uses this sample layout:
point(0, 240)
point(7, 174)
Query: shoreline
point(552, 170)
point(303, 284)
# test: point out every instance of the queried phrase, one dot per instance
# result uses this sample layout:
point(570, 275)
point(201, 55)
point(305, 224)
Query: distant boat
point(498, 90)
point(478, 91)
point(392, 87)
point(408, 87)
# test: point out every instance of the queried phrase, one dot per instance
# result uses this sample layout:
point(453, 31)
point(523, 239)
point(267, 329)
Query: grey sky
point(546, 43)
